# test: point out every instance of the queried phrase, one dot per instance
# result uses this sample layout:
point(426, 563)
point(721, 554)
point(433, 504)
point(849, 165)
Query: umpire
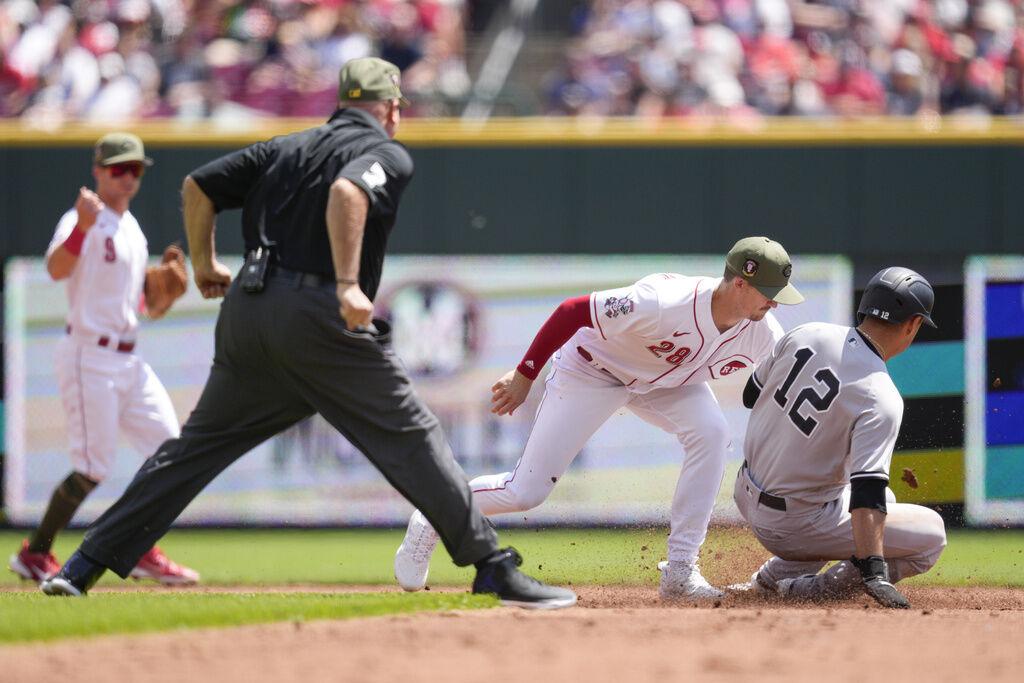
point(317, 209)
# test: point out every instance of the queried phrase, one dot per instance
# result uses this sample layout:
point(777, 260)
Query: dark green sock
point(66, 499)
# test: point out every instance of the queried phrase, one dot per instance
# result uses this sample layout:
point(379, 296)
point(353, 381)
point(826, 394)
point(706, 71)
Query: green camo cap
point(370, 79)
point(765, 264)
point(115, 148)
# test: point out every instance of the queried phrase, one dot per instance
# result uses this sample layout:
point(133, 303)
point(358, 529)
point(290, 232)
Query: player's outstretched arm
point(868, 534)
point(62, 261)
point(510, 392)
point(212, 277)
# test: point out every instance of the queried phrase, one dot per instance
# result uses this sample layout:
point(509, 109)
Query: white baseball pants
point(577, 400)
point(102, 391)
point(806, 536)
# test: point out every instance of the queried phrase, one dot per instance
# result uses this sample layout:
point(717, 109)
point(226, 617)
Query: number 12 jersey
point(828, 413)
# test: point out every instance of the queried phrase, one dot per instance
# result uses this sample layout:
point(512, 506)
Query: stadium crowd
point(793, 57)
point(116, 60)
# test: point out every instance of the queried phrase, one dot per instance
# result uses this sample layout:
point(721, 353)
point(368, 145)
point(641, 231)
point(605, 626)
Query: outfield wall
point(923, 193)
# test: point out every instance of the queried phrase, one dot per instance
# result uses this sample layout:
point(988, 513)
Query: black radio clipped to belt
point(254, 272)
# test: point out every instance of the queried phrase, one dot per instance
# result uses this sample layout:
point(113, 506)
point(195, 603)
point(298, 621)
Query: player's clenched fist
point(509, 392)
point(88, 206)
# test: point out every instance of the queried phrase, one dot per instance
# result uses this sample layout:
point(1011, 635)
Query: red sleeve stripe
point(569, 317)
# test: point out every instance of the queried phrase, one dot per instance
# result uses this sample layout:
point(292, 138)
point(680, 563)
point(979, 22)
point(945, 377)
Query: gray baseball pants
point(280, 356)
point(806, 536)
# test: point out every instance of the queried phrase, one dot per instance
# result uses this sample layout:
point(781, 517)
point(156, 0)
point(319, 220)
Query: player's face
point(119, 181)
point(756, 304)
point(910, 330)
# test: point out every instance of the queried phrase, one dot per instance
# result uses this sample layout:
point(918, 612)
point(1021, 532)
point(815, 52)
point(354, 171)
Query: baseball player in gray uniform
point(814, 485)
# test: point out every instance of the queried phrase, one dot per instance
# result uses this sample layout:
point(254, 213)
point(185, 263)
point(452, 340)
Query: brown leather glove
point(165, 283)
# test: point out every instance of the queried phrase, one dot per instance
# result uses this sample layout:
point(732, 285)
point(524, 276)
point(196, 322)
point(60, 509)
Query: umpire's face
point(393, 117)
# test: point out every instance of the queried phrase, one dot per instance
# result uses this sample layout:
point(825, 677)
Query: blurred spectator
point(115, 60)
point(227, 59)
point(793, 57)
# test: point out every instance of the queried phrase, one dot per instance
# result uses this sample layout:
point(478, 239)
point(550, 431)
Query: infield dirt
point(616, 634)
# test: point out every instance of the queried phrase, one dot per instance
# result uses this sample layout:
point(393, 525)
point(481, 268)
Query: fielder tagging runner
point(814, 486)
point(651, 347)
point(100, 250)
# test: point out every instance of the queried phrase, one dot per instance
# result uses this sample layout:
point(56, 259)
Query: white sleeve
point(631, 310)
point(874, 436)
point(65, 225)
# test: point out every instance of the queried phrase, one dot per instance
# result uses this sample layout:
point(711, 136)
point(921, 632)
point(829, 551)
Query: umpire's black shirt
point(283, 183)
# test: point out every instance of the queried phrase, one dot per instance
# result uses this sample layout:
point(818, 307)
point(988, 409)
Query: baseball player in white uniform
point(99, 248)
point(650, 347)
point(814, 486)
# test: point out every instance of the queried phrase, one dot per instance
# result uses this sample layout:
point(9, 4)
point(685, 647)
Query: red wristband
point(74, 241)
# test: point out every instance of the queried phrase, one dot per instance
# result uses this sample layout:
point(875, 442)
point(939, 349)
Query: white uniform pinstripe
point(828, 413)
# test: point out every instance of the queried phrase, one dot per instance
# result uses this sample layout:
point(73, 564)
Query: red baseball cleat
point(33, 566)
point(162, 569)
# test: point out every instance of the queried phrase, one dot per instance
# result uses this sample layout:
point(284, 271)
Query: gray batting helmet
point(896, 295)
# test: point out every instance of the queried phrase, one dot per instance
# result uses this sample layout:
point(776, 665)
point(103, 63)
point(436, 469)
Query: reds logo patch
point(729, 366)
point(614, 306)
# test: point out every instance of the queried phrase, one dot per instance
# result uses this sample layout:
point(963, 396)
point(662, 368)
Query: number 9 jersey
point(828, 413)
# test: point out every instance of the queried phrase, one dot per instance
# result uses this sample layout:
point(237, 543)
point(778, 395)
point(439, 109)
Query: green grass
point(33, 616)
point(297, 557)
point(592, 556)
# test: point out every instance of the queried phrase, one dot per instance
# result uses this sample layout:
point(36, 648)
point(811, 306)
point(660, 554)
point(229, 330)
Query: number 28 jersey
point(828, 413)
point(659, 333)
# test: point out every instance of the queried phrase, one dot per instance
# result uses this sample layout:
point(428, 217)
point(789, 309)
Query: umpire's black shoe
point(75, 578)
point(499, 574)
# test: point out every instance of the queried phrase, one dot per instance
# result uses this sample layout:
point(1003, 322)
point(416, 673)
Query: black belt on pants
point(767, 499)
point(300, 279)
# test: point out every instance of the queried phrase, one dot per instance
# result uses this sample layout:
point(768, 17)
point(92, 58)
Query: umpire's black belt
point(300, 279)
point(768, 500)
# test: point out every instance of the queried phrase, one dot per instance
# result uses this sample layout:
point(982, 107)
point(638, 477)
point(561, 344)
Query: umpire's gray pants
point(281, 356)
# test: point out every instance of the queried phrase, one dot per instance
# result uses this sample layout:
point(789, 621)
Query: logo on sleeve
point(615, 306)
point(375, 176)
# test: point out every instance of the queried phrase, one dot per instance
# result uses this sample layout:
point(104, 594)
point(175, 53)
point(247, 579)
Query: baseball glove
point(165, 283)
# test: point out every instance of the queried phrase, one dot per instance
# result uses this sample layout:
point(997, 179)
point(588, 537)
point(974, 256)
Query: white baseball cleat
point(683, 581)
point(756, 585)
point(412, 561)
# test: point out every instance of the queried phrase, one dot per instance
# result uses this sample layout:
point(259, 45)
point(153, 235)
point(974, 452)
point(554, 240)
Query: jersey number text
point(675, 357)
point(820, 402)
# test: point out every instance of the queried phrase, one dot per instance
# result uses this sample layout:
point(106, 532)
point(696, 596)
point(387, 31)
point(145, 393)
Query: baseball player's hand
point(509, 392)
point(212, 279)
point(875, 572)
point(88, 206)
point(356, 308)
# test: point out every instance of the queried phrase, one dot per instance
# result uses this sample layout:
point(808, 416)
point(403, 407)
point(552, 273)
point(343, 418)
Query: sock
point(66, 499)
